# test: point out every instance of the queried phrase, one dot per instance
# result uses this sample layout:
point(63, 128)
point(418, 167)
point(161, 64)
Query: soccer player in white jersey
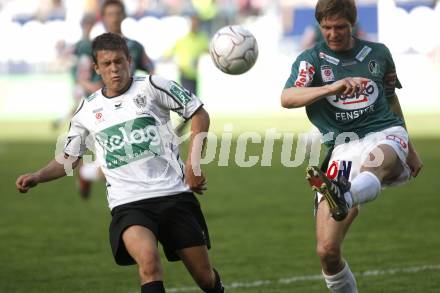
point(348, 88)
point(149, 189)
point(112, 16)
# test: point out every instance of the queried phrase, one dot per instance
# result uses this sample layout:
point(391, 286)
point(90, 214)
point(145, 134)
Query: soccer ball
point(233, 49)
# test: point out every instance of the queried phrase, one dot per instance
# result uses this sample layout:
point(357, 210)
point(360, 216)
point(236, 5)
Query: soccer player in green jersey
point(347, 86)
point(149, 189)
point(86, 81)
point(113, 14)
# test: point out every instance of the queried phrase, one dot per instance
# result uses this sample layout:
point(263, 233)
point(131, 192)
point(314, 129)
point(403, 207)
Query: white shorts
point(347, 159)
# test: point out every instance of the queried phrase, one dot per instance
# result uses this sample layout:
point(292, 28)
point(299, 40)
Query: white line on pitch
point(290, 280)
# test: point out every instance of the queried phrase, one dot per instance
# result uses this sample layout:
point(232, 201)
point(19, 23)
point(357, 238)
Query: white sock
point(342, 282)
point(364, 188)
point(90, 171)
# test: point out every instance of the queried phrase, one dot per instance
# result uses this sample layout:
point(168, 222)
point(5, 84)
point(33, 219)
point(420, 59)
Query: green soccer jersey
point(361, 113)
point(83, 49)
point(137, 53)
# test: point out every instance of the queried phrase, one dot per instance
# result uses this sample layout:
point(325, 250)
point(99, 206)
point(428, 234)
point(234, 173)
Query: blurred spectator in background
point(251, 7)
point(92, 6)
point(187, 52)
point(228, 11)
point(86, 81)
point(136, 8)
point(207, 11)
point(49, 10)
point(112, 14)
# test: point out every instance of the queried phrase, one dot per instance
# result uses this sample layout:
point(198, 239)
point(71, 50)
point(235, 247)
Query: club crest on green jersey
point(374, 68)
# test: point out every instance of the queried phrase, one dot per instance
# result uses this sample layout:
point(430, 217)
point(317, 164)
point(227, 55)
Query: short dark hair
point(111, 42)
point(112, 2)
point(336, 8)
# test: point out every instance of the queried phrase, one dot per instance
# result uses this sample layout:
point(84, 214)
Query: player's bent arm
point(199, 126)
point(296, 97)
point(53, 170)
point(199, 129)
point(414, 161)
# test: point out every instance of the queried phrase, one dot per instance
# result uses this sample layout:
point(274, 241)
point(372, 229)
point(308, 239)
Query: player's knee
point(150, 268)
point(388, 169)
point(329, 253)
point(150, 273)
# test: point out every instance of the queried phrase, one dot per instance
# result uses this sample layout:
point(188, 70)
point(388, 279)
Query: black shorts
point(177, 222)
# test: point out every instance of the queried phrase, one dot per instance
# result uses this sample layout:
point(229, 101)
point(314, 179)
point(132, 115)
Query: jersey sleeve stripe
point(169, 94)
point(79, 109)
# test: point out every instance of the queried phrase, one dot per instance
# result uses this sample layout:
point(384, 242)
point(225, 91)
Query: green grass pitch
point(260, 221)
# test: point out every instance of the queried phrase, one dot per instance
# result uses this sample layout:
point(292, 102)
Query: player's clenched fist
point(25, 182)
point(196, 183)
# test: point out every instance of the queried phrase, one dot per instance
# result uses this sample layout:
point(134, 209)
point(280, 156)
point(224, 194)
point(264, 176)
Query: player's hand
point(348, 86)
point(196, 183)
point(26, 181)
point(414, 162)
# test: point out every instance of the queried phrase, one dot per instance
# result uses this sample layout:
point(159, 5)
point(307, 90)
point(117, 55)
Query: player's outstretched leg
point(197, 262)
point(330, 235)
point(332, 191)
point(141, 244)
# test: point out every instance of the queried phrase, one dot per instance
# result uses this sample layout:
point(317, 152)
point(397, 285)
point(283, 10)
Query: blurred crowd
point(37, 32)
point(23, 11)
point(54, 25)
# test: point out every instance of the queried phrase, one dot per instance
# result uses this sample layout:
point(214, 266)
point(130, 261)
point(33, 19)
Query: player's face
point(337, 33)
point(112, 18)
point(114, 69)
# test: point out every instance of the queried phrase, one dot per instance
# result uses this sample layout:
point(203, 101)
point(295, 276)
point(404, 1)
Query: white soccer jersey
point(133, 139)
